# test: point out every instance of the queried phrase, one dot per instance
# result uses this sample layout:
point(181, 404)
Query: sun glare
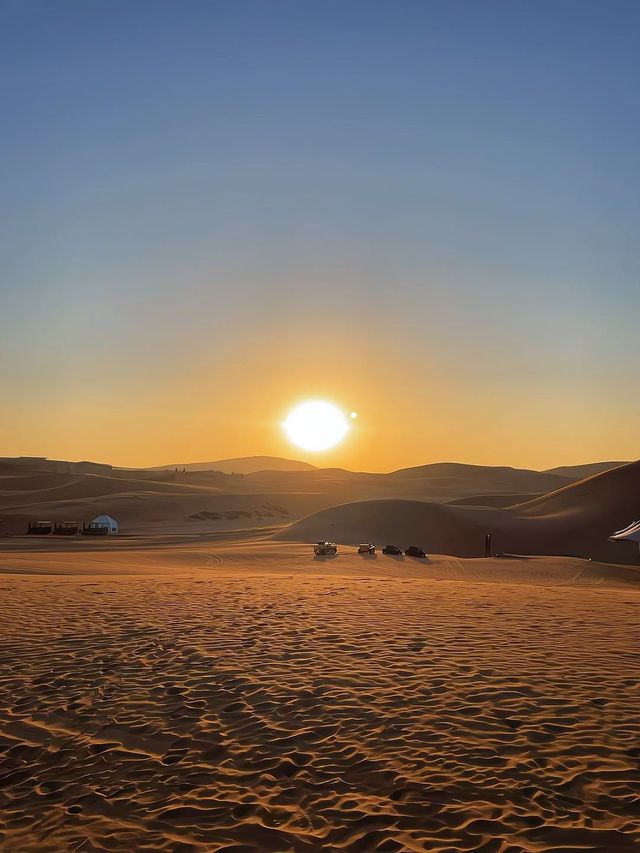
point(316, 425)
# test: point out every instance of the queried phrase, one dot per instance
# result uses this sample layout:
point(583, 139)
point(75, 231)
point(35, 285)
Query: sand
point(199, 500)
point(408, 506)
point(207, 693)
point(577, 519)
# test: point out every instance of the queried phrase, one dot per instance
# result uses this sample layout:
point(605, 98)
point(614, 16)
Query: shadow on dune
point(574, 521)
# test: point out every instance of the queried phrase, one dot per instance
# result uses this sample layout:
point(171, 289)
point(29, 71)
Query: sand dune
point(241, 465)
point(609, 493)
point(497, 499)
point(581, 472)
point(204, 695)
point(147, 499)
point(146, 511)
point(576, 519)
point(445, 529)
point(498, 478)
point(441, 482)
point(142, 500)
point(437, 482)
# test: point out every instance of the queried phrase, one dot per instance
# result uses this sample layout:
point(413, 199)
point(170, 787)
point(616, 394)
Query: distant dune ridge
point(241, 465)
point(441, 482)
point(445, 507)
point(580, 472)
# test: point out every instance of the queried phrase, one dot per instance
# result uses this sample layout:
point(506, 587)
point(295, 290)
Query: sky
point(426, 212)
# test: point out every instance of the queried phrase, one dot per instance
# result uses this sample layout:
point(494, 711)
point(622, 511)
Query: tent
point(627, 534)
point(103, 524)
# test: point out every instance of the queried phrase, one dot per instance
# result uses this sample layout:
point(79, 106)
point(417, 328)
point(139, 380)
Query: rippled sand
point(231, 707)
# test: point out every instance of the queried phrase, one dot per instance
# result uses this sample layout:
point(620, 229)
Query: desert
point(193, 689)
point(319, 459)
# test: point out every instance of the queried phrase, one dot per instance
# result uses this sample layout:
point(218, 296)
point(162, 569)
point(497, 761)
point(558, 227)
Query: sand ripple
point(306, 713)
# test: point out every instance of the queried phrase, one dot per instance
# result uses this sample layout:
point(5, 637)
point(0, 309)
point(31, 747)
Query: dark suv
point(414, 551)
point(392, 549)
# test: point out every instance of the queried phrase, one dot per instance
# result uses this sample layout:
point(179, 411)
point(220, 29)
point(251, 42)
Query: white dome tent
point(101, 525)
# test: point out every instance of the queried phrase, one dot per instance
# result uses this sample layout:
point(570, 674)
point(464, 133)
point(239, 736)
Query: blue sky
point(188, 183)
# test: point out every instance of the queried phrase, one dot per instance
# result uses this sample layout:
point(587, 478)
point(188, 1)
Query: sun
point(316, 425)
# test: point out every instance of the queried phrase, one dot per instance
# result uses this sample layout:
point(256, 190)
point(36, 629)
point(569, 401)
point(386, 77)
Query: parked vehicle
point(325, 549)
point(365, 548)
point(414, 551)
point(393, 550)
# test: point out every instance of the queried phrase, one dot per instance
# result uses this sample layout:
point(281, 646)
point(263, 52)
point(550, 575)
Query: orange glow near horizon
point(414, 406)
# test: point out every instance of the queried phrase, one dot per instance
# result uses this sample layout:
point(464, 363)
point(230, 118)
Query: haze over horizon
point(424, 212)
point(296, 459)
